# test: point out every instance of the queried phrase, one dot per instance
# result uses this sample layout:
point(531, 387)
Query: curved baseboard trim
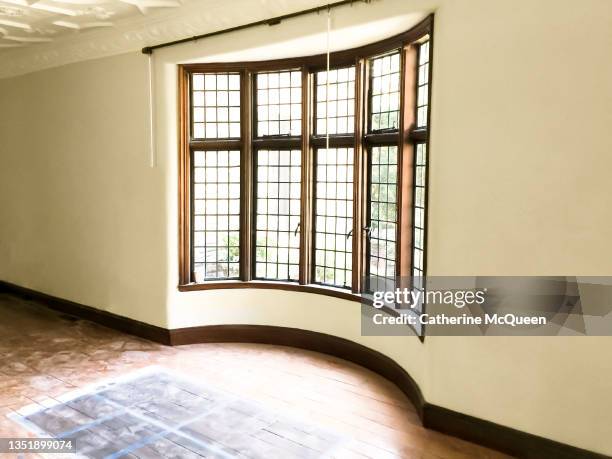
point(308, 340)
point(479, 431)
point(486, 433)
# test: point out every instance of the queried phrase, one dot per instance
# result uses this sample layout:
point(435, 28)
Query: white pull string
point(327, 81)
point(152, 155)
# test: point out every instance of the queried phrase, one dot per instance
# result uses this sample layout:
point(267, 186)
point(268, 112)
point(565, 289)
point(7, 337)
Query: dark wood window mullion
point(359, 204)
point(365, 173)
point(252, 104)
point(246, 206)
point(312, 212)
point(400, 175)
point(185, 276)
point(306, 218)
point(365, 230)
point(192, 275)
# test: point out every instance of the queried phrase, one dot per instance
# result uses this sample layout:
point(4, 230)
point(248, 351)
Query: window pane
point(215, 98)
point(334, 216)
point(336, 110)
point(385, 92)
point(279, 103)
point(383, 212)
point(216, 210)
point(420, 189)
point(277, 214)
point(423, 85)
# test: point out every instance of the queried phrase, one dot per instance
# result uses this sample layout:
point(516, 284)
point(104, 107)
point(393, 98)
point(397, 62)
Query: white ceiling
point(27, 22)
point(40, 34)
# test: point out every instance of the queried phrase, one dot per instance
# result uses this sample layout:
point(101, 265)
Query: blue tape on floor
point(133, 422)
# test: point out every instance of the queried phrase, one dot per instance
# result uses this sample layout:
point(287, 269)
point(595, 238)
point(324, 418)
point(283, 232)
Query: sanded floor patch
point(155, 413)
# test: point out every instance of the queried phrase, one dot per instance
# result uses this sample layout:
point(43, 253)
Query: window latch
point(296, 230)
point(368, 231)
point(272, 136)
point(349, 234)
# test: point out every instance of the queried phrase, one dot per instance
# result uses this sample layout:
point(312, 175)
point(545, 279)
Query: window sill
point(310, 288)
point(294, 287)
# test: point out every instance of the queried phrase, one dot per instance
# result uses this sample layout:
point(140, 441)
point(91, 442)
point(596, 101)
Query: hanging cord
point(152, 156)
point(327, 81)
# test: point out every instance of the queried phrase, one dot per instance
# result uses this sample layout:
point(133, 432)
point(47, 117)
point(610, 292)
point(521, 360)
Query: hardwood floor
point(44, 355)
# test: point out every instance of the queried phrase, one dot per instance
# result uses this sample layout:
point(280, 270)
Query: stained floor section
point(156, 414)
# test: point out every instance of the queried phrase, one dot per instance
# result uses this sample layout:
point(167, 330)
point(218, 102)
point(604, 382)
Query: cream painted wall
point(522, 109)
point(520, 154)
point(82, 216)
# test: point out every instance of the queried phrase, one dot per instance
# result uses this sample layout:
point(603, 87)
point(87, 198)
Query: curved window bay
point(298, 176)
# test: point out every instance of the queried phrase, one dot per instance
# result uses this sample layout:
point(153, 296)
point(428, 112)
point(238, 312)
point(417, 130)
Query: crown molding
point(134, 33)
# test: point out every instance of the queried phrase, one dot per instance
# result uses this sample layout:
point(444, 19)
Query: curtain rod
point(272, 21)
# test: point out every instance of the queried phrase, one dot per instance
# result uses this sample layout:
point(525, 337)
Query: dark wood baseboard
point(485, 433)
point(308, 340)
point(108, 319)
point(479, 431)
point(499, 437)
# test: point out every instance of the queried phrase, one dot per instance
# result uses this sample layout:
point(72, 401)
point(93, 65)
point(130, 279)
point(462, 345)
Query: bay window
point(300, 176)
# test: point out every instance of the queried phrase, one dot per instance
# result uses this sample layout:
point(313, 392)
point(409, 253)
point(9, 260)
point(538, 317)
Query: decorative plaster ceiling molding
point(62, 39)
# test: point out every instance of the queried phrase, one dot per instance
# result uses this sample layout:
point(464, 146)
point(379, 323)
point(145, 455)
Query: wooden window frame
point(386, 138)
point(320, 141)
point(361, 141)
point(272, 142)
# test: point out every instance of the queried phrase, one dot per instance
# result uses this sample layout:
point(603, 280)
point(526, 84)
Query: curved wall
point(519, 178)
point(320, 313)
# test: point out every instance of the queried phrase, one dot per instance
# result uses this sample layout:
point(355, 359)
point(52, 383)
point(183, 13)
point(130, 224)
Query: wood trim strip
point(336, 141)
point(387, 138)
point(434, 417)
point(184, 197)
point(306, 201)
point(246, 176)
point(495, 436)
point(229, 144)
point(358, 181)
point(277, 142)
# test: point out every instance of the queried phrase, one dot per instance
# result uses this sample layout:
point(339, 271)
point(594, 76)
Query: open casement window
point(296, 177)
point(419, 140)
